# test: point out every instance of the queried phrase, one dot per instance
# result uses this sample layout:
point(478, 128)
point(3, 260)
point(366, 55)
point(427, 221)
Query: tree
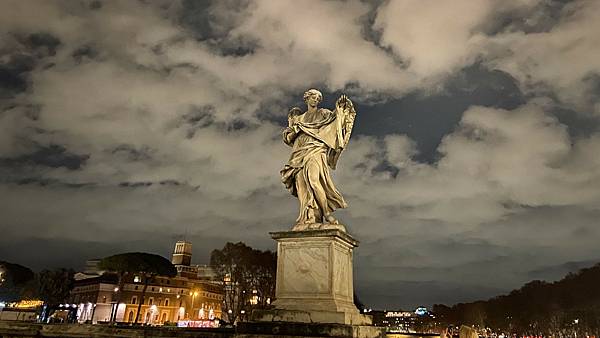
point(358, 303)
point(145, 264)
point(244, 271)
point(54, 286)
point(538, 307)
point(263, 265)
point(14, 281)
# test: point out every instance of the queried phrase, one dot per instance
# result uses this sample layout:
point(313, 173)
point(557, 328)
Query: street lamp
point(193, 294)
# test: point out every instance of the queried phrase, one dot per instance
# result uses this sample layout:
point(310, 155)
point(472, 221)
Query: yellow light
point(195, 293)
point(25, 304)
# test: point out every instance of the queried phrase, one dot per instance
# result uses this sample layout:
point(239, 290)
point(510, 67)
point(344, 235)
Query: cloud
point(495, 163)
point(561, 60)
point(431, 39)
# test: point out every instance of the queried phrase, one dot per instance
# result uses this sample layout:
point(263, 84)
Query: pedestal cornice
point(277, 235)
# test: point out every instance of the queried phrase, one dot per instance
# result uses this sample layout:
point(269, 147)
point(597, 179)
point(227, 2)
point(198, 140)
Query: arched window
point(134, 300)
point(150, 301)
point(130, 316)
point(167, 302)
point(164, 317)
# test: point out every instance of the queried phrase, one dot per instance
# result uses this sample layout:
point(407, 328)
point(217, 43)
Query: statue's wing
point(345, 120)
point(348, 123)
point(292, 114)
point(294, 111)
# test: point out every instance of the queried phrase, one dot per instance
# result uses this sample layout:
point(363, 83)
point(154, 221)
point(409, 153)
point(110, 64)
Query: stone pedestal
point(314, 279)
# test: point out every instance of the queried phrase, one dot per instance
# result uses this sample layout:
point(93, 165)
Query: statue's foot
point(331, 220)
point(300, 227)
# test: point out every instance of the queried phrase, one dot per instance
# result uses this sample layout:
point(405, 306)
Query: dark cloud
point(540, 18)
point(578, 125)
point(54, 156)
point(43, 44)
point(84, 52)
point(131, 153)
point(13, 75)
point(211, 22)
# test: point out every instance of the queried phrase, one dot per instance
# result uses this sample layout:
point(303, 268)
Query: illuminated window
point(136, 279)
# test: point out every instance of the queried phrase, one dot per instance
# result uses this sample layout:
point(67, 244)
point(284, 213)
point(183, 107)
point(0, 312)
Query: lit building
point(401, 321)
point(2, 273)
point(193, 294)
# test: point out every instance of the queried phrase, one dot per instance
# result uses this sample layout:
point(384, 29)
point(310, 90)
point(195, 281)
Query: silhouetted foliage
point(359, 305)
point(54, 285)
point(15, 282)
point(245, 273)
point(561, 308)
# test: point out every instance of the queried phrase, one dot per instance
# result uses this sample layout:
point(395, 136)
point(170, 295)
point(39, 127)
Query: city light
point(27, 304)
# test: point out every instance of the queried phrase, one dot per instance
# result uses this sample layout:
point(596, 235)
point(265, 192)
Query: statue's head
point(313, 97)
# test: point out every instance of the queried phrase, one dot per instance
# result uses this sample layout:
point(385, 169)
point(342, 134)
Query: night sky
point(474, 166)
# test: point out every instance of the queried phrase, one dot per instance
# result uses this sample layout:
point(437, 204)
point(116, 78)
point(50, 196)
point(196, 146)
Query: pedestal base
point(312, 316)
point(314, 294)
point(314, 278)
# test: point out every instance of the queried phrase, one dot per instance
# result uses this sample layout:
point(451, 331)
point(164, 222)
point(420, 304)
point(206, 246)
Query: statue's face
point(313, 100)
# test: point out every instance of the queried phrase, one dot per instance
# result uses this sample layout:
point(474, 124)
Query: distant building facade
point(400, 321)
point(194, 294)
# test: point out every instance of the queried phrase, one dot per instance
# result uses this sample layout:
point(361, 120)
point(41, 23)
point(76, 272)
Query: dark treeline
point(18, 283)
point(562, 308)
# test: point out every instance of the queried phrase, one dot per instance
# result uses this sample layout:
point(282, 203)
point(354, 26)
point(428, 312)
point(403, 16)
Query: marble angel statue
point(317, 137)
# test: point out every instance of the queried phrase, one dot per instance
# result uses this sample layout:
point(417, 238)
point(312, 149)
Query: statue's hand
point(341, 103)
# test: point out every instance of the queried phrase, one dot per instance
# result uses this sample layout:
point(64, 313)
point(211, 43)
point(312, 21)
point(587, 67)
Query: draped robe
point(317, 140)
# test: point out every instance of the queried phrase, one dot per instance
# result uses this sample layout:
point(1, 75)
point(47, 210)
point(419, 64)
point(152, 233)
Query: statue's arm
point(289, 135)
